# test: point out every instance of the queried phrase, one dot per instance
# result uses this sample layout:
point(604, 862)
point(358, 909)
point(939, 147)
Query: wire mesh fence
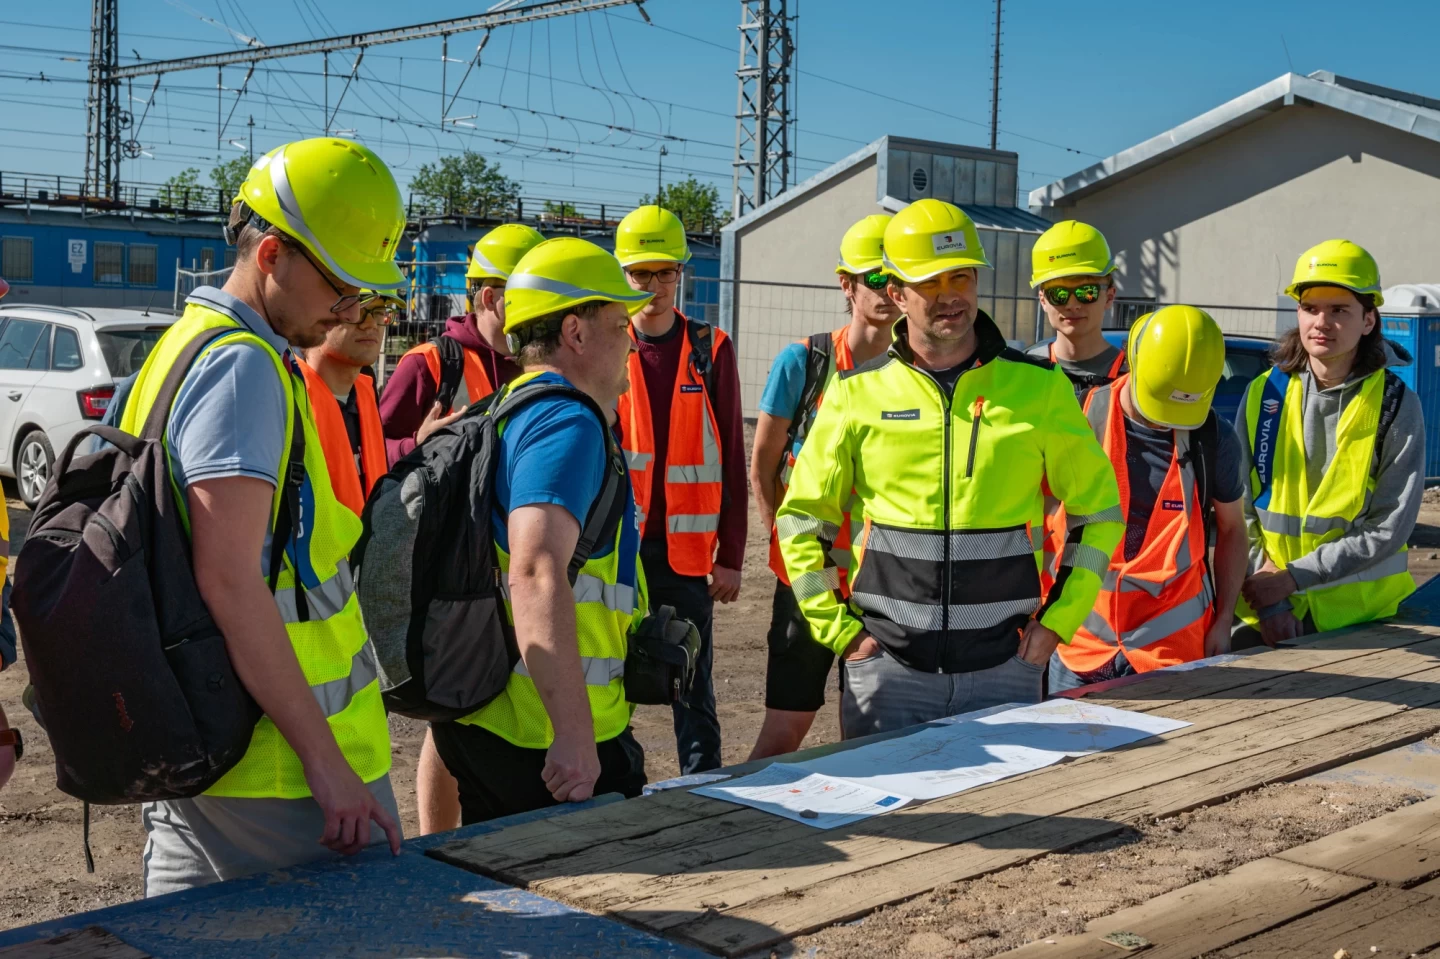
point(187, 281)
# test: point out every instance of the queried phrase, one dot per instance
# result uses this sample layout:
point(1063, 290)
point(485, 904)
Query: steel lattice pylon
point(106, 119)
point(762, 111)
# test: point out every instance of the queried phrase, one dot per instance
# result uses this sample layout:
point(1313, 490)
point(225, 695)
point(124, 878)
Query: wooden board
point(91, 942)
point(1208, 915)
point(1396, 922)
point(1401, 848)
point(733, 879)
point(493, 854)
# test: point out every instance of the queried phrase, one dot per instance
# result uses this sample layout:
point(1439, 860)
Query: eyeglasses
point(380, 307)
point(643, 277)
point(876, 281)
point(1084, 293)
point(347, 300)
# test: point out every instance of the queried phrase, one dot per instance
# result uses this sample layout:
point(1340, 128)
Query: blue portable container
point(1410, 318)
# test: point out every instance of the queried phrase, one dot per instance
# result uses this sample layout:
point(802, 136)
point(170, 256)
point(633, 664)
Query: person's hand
point(724, 584)
point(434, 420)
point(1217, 637)
point(572, 765)
point(1037, 642)
point(1279, 628)
point(1267, 587)
point(863, 646)
point(348, 807)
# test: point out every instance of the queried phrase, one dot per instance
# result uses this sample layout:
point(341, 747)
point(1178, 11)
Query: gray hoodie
point(1386, 524)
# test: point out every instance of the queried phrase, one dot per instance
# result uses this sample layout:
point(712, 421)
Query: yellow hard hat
point(651, 234)
point(862, 246)
point(1070, 248)
point(1337, 263)
point(1176, 356)
point(562, 273)
point(338, 200)
point(497, 252)
point(930, 237)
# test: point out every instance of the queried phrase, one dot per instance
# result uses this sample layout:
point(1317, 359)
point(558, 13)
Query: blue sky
point(1073, 88)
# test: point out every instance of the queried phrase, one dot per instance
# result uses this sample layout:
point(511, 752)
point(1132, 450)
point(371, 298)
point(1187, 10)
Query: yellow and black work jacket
point(951, 488)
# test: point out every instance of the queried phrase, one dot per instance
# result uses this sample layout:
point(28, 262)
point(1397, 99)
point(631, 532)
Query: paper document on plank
point(820, 801)
point(971, 750)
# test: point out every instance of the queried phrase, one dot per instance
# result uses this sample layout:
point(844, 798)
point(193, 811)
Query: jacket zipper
point(945, 487)
point(974, 437)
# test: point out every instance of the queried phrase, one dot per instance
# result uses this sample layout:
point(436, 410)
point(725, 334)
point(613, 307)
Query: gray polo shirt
point(229, 417)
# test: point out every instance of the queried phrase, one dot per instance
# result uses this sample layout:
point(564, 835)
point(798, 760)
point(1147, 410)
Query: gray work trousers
point(880, 694)
point(194, 842)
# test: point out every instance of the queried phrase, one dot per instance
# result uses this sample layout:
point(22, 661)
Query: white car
point(58, 369)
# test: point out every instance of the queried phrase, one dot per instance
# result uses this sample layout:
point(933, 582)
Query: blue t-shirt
point(553, 451)
point(785, 384)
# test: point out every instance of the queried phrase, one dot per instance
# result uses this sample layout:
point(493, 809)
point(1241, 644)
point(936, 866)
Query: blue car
point(1245, 359)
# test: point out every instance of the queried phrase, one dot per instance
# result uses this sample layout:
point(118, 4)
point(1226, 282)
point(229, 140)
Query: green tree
point(561, 209)
point(696, 204)
point(229, 175)
point(182, 189)
point(467, 183)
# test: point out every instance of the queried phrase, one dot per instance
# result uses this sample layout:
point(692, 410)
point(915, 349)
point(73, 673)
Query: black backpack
point(426, 570)
point(452, 371)
point(819, 357)
point(131, 677)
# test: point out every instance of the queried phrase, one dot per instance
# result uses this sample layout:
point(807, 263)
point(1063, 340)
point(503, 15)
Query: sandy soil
point(42, 868)
point(1056, 895)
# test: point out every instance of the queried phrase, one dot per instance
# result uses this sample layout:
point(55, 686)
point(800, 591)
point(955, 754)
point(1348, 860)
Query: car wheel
point(34, 462)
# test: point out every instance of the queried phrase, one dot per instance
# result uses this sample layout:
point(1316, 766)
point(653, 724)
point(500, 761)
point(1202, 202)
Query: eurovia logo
point(1271, 406)
point(948, 242)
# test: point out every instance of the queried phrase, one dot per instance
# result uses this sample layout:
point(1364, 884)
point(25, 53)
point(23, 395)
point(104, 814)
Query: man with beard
point(944, 445)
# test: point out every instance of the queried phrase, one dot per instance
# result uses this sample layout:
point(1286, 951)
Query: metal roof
point(1408, 112)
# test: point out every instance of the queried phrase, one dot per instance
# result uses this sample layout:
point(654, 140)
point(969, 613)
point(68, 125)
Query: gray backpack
point(426, 570)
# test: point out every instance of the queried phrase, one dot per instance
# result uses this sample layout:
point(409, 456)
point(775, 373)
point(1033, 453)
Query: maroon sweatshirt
point(660, 361)
point(410, 392)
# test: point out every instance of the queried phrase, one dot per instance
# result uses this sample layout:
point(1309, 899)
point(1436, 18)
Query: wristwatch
point(11, 737)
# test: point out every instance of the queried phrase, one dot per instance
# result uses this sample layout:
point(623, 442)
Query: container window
point(17, 259)
point(142, 264)
point(109, 262)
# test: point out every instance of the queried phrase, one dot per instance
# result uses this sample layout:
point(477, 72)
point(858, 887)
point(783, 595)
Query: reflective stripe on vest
point(1157, 605)
point(476, 380)
point(609, 599)
point(1294, 521)
point(350, 486)
point(331, 646)
point(840, 359)
point(694, 470)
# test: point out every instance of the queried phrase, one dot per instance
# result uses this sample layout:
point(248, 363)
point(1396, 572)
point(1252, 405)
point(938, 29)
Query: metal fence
point(1261, 322)
point(186, 282)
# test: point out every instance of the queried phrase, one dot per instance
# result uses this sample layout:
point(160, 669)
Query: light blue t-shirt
point(229, 416)
point(785, 385)
point(553, 451)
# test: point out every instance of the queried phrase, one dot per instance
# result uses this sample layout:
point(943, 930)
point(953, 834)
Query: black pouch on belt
point(660, 663)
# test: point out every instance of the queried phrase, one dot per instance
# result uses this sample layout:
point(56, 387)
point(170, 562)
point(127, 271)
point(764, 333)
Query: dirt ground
point(42, 868)
point(1058, 894)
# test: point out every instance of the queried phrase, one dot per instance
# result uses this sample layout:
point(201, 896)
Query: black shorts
point(798, 666)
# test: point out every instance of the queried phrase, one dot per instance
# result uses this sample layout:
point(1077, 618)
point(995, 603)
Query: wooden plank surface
point(1208, 915)
point(733, 879)
point(1223, 732)
point(1401, 848)
point(1395, 922)
point(861, 892)
point(91, 942)
point(536, 842)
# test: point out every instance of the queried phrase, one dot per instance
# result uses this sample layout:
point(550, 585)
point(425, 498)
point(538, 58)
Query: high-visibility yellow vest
point(946, 570)
point(1294, 521)
point(331, 645)
point(609, 601)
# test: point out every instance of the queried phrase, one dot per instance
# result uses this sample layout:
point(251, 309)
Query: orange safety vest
point(477, 382)
point(841, 359)
point(1157, 606)
point(351, 486)
point(693, 465)
point(1054, 536)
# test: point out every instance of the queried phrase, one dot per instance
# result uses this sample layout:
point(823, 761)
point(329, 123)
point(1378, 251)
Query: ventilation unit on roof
point(919, 181)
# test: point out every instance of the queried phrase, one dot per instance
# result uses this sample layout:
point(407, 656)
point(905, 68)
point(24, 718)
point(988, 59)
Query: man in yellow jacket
point(947, 442)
